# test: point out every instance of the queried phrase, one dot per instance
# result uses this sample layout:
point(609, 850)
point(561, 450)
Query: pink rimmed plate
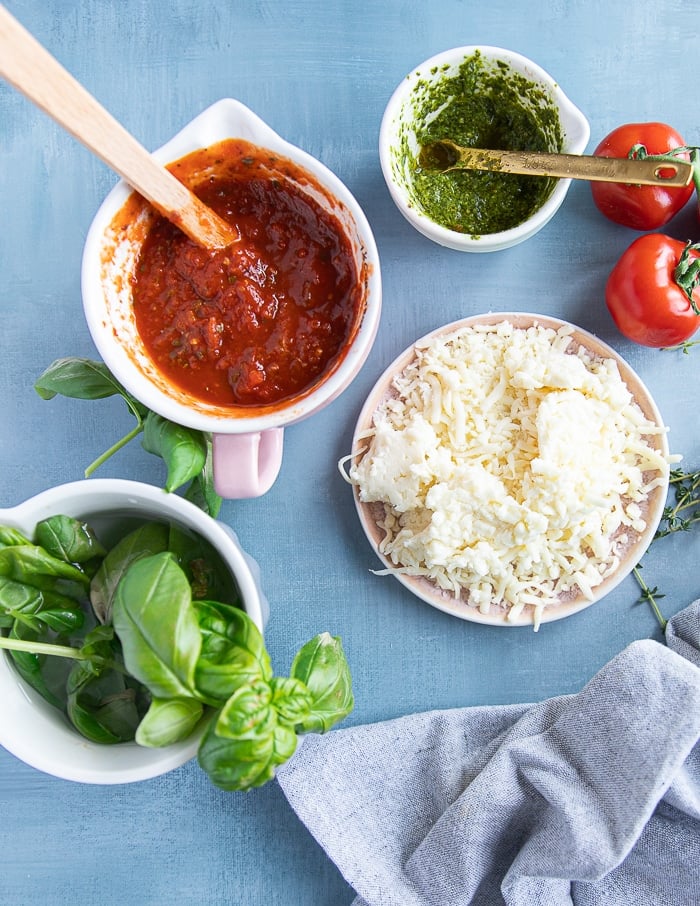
point(371, 514)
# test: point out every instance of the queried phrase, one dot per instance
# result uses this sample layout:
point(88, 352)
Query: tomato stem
point(639, 152)
point(695, 161)
point(687, 273)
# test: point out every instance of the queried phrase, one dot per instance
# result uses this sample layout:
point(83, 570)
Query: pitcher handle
point(246, 465)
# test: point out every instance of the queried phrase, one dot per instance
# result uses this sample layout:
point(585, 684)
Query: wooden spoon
point(31, 69)
point(445, 155)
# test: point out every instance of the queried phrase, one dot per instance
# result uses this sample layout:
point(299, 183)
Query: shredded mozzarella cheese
point(511, 467)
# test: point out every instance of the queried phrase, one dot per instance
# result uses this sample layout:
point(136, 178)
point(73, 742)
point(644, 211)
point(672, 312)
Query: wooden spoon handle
point(31, 69)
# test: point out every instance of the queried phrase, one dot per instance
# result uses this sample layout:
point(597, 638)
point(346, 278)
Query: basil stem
point(185, 451)
point(41, 648)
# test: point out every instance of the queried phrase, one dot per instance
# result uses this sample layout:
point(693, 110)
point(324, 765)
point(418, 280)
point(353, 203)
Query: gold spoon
point(445, 155)
point(31, 69)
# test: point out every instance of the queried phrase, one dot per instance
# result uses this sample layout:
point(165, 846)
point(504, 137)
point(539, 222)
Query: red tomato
point(640, 207)
point(653, 292)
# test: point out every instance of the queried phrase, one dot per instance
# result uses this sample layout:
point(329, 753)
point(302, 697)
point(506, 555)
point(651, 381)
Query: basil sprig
point(165, 658)
point(186, 451)
point(186, 652)
point(256, 729)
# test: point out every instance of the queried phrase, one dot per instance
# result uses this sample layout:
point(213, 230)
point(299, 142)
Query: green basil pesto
point(484, 105)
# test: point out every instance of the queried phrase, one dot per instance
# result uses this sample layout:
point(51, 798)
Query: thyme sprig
point(686, 510)
point(650, 595)
point(683, 347)
point(678, 516)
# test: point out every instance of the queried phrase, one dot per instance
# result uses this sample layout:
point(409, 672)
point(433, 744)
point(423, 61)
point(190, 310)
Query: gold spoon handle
point(31, 69)
point(445, 155)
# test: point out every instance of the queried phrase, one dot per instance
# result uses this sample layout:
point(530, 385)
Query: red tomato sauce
point(261, 321)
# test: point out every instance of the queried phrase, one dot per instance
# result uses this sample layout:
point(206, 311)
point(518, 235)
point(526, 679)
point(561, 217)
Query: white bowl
point(34, 731)
point(397, 130)
point(428, 591)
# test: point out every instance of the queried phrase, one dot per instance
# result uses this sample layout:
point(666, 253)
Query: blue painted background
point(320, 74)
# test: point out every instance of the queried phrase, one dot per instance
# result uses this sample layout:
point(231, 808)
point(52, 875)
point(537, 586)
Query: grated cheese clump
point(512, 469)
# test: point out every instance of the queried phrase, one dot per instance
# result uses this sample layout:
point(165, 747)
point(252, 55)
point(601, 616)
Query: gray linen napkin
point(591, 798)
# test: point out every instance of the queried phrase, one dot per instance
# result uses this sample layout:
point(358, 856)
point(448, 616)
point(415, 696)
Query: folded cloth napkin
point(591, 798)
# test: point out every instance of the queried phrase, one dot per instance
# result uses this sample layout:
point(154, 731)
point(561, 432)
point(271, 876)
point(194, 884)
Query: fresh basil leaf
point(32, 565)
point(100, 644)
point(321, 665)
point(168, 721)
point(157, 626)
point(93, 720)
point(18, 597)
point(62, 621)
point(208, 575)
point(233, 651)
point(241, 764)
point(10, 536)
point(69, 539)
point(87, 379)
point(39, 610)
point(78, 378)
point(248, 713)
point(144, 541)
point(33, 667)
point(184, 450)
point(229, 764)
point(291, 700)
point(102, 703)
point(201, 489)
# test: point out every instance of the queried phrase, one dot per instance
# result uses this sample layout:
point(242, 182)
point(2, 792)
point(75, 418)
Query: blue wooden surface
point(320, 74)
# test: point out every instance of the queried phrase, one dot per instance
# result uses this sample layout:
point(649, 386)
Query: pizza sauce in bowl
point(242, 342)
point(259, 322)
